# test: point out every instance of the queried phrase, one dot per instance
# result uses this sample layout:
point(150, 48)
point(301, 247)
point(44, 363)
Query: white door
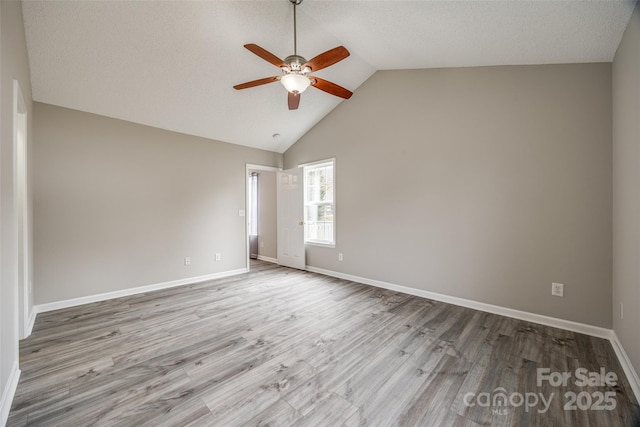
point(290, 219)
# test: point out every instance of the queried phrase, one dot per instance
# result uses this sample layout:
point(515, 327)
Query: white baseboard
point(629, 371)
point(8, 393)
point(57, 305)
point(267, 259)
point(489, 308)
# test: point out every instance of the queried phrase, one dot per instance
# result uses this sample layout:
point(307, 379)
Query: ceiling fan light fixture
point(295, 83)
point(296, 69)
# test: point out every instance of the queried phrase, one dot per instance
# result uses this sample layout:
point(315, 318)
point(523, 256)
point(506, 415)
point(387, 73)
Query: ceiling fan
point(296, 69)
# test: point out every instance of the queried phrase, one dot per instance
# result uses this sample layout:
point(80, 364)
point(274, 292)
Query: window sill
point(320, 244)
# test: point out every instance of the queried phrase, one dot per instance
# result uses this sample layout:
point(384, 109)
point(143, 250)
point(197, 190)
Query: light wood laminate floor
point(284, 347)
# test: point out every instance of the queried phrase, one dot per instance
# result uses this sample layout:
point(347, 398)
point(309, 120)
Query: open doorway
point(261, 214)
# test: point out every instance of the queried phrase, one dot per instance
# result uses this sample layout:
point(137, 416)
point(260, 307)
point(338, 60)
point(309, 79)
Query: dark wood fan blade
point(331, 88)
point(294, 101)
point(328, 58)
point(266, 55)
point(256, 83)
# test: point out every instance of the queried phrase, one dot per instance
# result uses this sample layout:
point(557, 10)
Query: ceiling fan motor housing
point(295, 63)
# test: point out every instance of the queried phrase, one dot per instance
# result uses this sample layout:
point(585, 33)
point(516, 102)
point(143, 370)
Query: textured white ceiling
point(172, 64)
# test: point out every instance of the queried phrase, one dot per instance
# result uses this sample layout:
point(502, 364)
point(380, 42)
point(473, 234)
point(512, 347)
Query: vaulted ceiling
point(172, 64)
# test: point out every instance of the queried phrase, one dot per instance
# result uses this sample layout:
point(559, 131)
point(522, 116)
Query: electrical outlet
point(218, 257)
point(557, 289)
point(262, 244)
point(340, 257)
point(187, 260)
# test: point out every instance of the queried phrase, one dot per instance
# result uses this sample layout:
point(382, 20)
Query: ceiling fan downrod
point(295, 33)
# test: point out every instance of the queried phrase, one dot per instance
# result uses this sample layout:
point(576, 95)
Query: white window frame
point(331, 161)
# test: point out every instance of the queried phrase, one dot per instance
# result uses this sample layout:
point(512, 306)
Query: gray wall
point(482, 183)
point(626, 193)
point(14, 65)
point(120, 205)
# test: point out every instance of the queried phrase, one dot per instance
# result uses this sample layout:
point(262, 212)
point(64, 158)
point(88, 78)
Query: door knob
point(301, 223)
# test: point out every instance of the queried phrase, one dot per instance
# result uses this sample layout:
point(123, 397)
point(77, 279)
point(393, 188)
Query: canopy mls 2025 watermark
point(501, 401)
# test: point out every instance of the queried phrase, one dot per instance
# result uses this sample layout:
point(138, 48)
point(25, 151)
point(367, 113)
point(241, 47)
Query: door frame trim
point(22, 212)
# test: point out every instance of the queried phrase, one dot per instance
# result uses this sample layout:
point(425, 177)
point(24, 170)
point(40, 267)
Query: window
point(319, 203)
